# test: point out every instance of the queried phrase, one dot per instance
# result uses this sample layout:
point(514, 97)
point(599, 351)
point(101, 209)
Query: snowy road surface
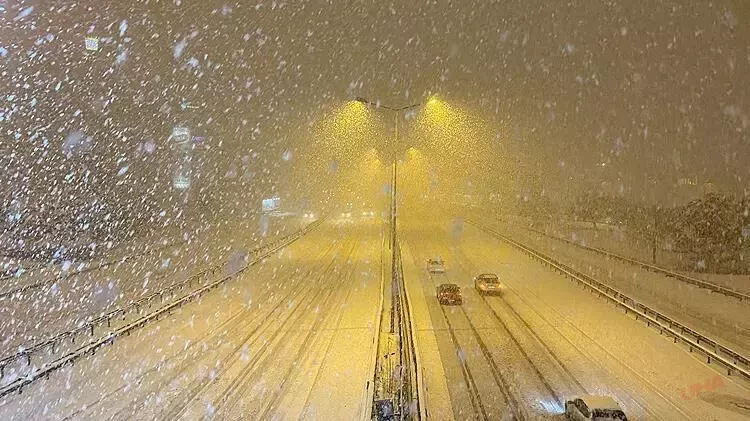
point(293, 338)
point(721, 317)
point(544, 341)
point(289, 338)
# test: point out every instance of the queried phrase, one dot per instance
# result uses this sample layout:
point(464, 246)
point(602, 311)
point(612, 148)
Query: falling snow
point(218, 209)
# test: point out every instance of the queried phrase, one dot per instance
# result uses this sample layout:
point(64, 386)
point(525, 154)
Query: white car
point(591, 407)
point(488, 284)
point(435, 265)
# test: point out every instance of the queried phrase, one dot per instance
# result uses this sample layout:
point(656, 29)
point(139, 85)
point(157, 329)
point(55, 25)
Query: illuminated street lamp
point(396, 286)
point(386, 107)
point(431, 102)
point(395, 165)
point(397, 111)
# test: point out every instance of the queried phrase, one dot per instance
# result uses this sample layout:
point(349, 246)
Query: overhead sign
point(181, 134)
point(92, 43)
point(183, 141)
point(269, 205)
point(181, 182)
point(182, 155)
point(185, 105)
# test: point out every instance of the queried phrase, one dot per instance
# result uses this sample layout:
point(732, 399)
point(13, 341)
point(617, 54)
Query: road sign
point(185, 105)
point(181, 182)
point(92, 43)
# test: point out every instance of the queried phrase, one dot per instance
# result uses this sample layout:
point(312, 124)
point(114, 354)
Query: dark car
point(449, 294)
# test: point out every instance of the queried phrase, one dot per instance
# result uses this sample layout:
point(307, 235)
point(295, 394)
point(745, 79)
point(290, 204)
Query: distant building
point(690, 188)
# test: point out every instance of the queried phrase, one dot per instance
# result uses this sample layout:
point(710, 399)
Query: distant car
point(591, 407)
point(435, 265)
point(449, 294)
point(488, 284)
point(309, 215)
point(347, 211)
point(368, 213)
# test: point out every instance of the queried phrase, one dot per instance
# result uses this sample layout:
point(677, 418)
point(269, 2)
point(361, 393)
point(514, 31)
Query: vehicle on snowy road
point(591, 407)
point(435, 265)
point(449, 294)
point(488, 284)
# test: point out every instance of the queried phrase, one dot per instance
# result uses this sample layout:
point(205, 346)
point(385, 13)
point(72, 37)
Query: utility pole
point(397, 397)
point(394, 207)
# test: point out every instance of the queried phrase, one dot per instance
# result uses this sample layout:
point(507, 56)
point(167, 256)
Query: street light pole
point(396, 111)
point(394, 183)
point(396, 281)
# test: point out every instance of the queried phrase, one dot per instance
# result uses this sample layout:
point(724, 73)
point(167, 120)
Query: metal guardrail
point(91, 347)
point(100, 265)
point(369, 394)
point(91, 324)
point(412, 406)
point(420, 387)
point(136, 306)
point(711, 349)
point(684, 278)
point(402, 398)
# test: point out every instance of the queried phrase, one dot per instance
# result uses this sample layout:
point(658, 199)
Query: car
point(435, 265)
point(593, 407)
point(449, 294)
point(488, 284)
point(309, 215)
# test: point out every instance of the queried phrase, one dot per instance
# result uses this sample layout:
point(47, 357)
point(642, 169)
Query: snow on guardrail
point(134, 306)
point(100, 265)
point(712, 350)
point(684, 278)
